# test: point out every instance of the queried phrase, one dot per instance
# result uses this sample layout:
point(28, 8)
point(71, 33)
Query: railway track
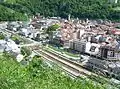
point(67, 68)
point(70, 66)
point(71, 70)
point(62, 68)
point(72, 62)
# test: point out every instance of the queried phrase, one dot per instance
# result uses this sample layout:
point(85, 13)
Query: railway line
point(65, 66)
point(72, 68)
point(71, 63)
point(73, 74)
point(43, 52)
point(59, 59)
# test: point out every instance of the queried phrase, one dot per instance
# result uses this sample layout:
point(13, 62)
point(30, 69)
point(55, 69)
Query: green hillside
point(9, 14)
point(93, 9)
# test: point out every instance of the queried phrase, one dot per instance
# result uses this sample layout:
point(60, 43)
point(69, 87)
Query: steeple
point(69, 17)
point(113, 1)
point(116, 1)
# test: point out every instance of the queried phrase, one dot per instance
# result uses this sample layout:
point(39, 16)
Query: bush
point(2, 36)
point(26, 51)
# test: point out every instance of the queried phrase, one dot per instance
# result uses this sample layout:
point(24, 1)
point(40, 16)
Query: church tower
point(113, 1)
point(69, 17)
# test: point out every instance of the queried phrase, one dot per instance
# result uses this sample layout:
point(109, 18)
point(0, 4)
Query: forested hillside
point(93, 9)
point(9, 14)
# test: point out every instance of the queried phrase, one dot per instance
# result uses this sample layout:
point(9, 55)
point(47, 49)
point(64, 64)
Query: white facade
point(10, 47)
point(82, 31)
point(3, 25)
point(14, 29)
point(19, 58)
point(92, 48)
point(24, 31)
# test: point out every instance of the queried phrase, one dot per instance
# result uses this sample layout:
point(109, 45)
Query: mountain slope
point(93, 9)
point(11, 15)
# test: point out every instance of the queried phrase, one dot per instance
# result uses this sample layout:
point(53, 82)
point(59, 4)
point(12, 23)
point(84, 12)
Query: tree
point(2, 36)
point(52, 28)
point(77, 8)
point(25, 51)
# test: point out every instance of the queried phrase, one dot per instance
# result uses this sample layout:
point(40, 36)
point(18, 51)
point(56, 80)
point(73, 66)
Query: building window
point(92, 49)
point(110, 53)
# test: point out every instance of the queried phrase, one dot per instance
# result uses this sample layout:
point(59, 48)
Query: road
point(8, 32)
point(27, 45)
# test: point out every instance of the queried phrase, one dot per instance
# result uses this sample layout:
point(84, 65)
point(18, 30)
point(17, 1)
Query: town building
point(9, 46)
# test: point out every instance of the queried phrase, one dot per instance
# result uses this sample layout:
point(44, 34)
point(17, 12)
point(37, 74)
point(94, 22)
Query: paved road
point(22, 37)
point(26, 45)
